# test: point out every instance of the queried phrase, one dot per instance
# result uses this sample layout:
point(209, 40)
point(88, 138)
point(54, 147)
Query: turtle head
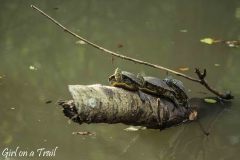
point(141, 79)
point(118, 75)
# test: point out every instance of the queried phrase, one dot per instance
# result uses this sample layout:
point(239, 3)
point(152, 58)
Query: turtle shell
point(158, 83)
point(158, 87)
point(130, 76)
point(128, 81)
point(178, 86)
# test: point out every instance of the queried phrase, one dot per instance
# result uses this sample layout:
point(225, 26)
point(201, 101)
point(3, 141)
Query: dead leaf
point(183, 68)
point(209, 100)
point(193, 115)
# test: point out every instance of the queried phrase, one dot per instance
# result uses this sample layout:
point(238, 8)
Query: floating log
point(106, 104)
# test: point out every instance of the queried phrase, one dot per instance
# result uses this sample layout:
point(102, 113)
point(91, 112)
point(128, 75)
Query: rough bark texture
point(105, 104)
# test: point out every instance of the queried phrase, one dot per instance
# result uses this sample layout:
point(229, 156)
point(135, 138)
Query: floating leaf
point(207, 40)
point(80, 42)
point(233, 44)
point(135, 128)
point(209, 100)
point(32, 68)
point(84, 133)
point(183, 68)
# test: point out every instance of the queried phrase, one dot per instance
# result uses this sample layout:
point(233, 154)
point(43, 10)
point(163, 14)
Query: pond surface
point(39, 61)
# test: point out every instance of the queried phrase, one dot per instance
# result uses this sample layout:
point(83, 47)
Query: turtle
point(125, 80)
point(157, 87)
point(179, 88)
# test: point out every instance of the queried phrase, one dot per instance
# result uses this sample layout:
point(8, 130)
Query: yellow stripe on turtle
point(124, 86)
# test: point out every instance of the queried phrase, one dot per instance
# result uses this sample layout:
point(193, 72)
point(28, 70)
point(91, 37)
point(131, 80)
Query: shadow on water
point(209, 111)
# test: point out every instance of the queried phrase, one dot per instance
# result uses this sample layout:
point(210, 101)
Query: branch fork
point(202, 75)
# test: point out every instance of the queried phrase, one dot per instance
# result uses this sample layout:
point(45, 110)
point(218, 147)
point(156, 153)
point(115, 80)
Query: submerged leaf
point(184, 30)
point(209, 100)
point(2, 76)
point(207, 40)
point(49, 101)
point(120, 45)
point(8, 140)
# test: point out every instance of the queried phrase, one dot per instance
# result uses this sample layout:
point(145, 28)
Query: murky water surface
point(39, 60)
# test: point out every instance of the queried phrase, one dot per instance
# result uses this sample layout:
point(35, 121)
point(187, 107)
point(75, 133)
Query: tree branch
point(201, 77)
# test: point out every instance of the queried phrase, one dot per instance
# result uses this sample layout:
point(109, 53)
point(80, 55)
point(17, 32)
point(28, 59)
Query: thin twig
point(202, 81)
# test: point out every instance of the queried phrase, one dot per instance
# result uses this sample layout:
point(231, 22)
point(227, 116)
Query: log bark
point(105, 104)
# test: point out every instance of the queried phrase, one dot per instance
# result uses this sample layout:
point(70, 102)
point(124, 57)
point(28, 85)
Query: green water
point(162, 32)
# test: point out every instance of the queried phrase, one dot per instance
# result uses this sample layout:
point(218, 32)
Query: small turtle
point(158, 87)
point(179, 88)
point(125, 80)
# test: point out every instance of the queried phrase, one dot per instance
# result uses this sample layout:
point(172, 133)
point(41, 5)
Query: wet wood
point(105, 104)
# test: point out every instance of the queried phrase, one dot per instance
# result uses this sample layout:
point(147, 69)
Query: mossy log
point(105, 104)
